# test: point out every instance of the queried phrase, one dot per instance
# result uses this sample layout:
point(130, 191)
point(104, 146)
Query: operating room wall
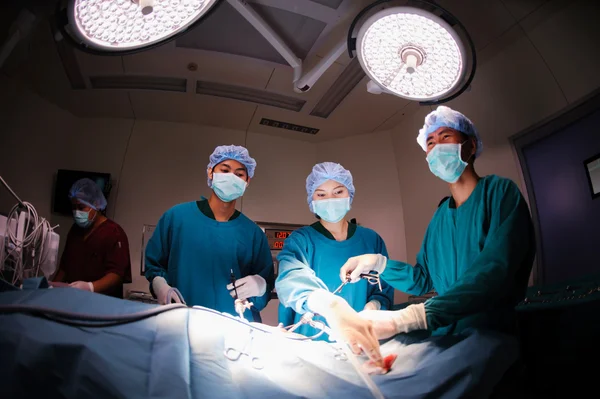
point(528, 74)
point(38, 138)
point(377, 203)
point(156, 165)
point(166, 164)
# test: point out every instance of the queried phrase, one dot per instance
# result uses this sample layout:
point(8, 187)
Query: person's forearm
point(107, 282)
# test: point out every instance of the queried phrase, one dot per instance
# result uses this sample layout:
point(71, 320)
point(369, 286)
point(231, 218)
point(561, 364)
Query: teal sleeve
point(157, 251)
point(492, 274)
point(386, 296)
point(414, 280)
point(296, 280)
point(262, 265)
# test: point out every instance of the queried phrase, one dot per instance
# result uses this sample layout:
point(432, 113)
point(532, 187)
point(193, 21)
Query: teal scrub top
point(478, 258)
point(310, 261)
point(195, 253)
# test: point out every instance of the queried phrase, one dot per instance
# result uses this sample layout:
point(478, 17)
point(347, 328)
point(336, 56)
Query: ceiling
point(231, 56)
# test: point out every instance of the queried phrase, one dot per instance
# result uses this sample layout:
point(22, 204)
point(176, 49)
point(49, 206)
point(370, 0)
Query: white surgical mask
point(228, 186)
point(332, 210)
point(446, 162)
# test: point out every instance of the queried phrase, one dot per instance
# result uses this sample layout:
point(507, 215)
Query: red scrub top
point(106, 250)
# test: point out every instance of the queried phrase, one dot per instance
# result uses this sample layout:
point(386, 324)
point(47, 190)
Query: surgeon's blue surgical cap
point(88, 193)
point(322, 172)
point(237, 153)
point(447, 117)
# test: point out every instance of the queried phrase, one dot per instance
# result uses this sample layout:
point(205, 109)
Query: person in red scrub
point(96, 254)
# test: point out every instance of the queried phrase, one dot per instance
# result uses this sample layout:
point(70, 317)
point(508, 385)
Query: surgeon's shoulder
point(250, 226)
point(367, 233)
point(501, 184)
point(180, 210)
point(502, 187)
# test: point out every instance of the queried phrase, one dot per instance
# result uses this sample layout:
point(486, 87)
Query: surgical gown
point(196, 253)
point(310, 261)
point(477, 257)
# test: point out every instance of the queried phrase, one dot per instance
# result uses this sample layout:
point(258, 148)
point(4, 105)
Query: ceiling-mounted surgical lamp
point(121, 27)
point(413, 53)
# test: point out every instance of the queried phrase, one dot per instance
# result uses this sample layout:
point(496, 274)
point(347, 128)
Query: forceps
point(338, 289)
point(234, 354)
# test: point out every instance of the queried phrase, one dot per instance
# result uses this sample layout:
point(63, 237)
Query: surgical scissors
point(372, 278)
point(235, 354)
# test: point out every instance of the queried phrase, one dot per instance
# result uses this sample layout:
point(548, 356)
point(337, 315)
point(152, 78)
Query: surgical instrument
point(240, 304)
point(234, 354)
point(372, 278)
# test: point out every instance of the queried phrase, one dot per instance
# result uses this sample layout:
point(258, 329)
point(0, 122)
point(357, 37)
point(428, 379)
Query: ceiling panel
point(214, 43)
point(338, 30)
point(484, 20)
point(225, 30)
point(282, 82)
point(192, 108)
point(521, 8)
point(100, 103)
point(362, 112)
point(329, 3)
point(98, 64)
point(399, 116)
point(567, 33)
point(508, 96)
point(41, 69)
point(211, 66)
point(299, 32)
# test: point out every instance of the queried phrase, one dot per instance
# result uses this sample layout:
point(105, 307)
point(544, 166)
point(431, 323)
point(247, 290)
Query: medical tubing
point(5, 184)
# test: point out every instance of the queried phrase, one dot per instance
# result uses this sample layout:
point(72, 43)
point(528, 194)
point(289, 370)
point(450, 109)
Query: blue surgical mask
point(446, 163)
point(332, 210)
point(228, 186)
point(82, 219)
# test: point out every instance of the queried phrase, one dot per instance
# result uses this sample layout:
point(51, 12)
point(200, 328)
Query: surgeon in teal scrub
point(197, 244)
point(477, 252)
point(312, 256)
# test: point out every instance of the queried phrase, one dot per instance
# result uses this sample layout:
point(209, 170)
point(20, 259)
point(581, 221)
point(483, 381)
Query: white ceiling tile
point(567, 35)
point(521, 8)
point(484, 20)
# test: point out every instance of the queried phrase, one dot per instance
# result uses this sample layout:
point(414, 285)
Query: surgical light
point(125, 26)
point(412, 53)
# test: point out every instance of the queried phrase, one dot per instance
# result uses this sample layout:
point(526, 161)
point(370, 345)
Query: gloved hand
point(362, 264)
point(373, 305)
point(248, 287)
point(161, 289)
point(387, 323)
point(346, 324)
point(83, 285)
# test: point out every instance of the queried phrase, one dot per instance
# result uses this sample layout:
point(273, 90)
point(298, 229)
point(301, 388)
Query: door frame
point(548, 126)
